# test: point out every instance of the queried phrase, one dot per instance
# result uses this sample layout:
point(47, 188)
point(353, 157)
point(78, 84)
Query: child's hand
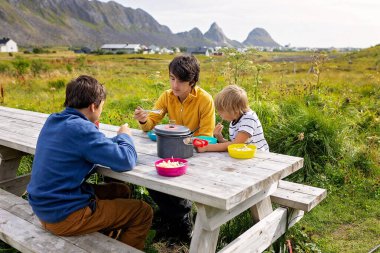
point(140, 115)
point(201, 149)
point(218, 130)
point(124, 129)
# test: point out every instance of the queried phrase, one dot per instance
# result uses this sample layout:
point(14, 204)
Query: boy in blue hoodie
point(68, 149)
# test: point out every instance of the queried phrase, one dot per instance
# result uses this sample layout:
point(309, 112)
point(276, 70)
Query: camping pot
point(170, 141)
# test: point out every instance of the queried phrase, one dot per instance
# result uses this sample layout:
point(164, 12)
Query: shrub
point(307, 133)
point(4, 68)
point(363, 162)
point(38, 66)
point(57, 84)
point(69, 68)
point(81, 61)
point(21, 66)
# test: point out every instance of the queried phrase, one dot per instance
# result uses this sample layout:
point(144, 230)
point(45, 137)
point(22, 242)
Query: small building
point(125, 48)
point(114, 47)
point(7, 45)
point(133, 48)
point(153, 49)
point(200, 51)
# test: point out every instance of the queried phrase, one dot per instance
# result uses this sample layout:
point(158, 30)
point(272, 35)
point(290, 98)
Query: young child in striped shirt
point(245, 127)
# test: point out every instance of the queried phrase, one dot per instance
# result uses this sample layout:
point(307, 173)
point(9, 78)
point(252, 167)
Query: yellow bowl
point(242, 151)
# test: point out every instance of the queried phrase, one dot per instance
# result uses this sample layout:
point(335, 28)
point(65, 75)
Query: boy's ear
point(92, 107)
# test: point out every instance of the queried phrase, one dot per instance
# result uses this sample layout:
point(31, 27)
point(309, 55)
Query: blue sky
point(323, 23)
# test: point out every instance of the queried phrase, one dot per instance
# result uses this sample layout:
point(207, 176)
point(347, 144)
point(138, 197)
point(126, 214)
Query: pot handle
point(196, 129)
point(188, 141)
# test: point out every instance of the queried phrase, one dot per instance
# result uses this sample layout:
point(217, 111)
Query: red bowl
point(171, 172)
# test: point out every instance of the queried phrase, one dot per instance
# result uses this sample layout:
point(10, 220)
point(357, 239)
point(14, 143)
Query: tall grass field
point(322, 106)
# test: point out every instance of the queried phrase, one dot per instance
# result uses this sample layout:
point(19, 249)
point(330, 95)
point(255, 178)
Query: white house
point(153, 49)
point(8, 45)
point(114, 47)
point(126, 48)
point(133, 48)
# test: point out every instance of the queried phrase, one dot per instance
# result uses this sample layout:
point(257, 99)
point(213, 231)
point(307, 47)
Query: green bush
point(69, 68)
point(38, 66)
point(4, 68)
point(57, 84)
point(21, 66)
point(305, 132)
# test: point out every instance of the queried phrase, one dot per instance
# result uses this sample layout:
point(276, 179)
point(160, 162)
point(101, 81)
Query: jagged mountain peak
point(260, 37)
point(216, 34)
point(215, 26)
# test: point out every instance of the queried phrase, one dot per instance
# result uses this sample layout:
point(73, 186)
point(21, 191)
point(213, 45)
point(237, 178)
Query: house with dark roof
point(200, 51)
point(7, 45)
point(126, 48)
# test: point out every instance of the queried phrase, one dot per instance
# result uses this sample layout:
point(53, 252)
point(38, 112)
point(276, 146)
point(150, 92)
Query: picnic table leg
point(209, 219)
point(9, 163)
point(261, 209)
point(204, 239)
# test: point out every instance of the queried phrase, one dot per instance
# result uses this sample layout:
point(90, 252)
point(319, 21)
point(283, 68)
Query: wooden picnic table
point(220, 186)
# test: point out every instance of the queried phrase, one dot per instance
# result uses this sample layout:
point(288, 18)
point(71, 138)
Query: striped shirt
point(249, 123)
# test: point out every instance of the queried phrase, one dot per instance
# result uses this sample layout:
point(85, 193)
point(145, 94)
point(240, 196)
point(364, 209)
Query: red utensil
point(199, 143)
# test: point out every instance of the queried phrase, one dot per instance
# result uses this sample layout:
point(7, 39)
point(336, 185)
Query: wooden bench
point(298, 196)
point(21, 229)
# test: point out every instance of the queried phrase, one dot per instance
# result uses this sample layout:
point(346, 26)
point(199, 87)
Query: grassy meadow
point(322, 106)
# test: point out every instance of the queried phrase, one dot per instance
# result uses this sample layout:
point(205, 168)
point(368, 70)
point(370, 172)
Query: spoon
point(157, 111)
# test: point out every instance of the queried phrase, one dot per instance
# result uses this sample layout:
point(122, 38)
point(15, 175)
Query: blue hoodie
point(68, 148)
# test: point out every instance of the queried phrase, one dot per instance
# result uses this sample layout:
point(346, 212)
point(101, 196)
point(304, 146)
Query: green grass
point(333, 124)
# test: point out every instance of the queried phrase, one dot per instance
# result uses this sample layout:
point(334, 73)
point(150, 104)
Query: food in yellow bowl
point(242, 151)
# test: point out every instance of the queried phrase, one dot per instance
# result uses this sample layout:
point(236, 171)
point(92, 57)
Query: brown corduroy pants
point(115, 211)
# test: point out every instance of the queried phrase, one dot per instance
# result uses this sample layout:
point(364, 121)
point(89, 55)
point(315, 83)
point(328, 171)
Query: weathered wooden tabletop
point(221, 186)
point(212, 178)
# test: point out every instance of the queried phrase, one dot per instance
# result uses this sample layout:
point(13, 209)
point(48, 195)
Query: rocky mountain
point(216, 35)
point(195, 38)
point(93, 23)
point(261, 38)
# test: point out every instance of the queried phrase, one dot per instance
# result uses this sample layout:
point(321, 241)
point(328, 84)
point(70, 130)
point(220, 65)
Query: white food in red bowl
point(171, 167)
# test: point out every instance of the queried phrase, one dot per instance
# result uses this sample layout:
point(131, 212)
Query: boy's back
point(68, 147)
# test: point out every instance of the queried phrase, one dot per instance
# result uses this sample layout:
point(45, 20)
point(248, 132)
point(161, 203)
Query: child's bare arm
point(219, 147)
point(241, 137)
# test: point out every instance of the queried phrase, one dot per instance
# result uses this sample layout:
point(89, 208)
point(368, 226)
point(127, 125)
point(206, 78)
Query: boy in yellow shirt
point(190, 106)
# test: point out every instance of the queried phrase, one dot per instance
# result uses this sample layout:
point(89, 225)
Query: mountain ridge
point(93, 23)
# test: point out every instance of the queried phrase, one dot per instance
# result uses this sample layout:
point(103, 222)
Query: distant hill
point(260, 37)
point(93, 23)
point(216, 35)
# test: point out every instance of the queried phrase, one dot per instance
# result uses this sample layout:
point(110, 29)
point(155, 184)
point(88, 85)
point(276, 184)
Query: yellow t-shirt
point(197, 110)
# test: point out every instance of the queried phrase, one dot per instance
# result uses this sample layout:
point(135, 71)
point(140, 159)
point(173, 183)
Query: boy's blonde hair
point(232, 99)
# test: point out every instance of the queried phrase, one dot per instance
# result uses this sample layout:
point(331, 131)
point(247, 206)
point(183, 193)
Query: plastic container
point(211, 140)
point(242, 151)
point(152, 135)
point(171, 172)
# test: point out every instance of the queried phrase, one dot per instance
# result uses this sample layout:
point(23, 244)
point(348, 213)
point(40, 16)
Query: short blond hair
point(232, 99)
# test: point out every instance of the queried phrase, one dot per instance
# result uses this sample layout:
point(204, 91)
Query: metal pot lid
point(170, 130)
